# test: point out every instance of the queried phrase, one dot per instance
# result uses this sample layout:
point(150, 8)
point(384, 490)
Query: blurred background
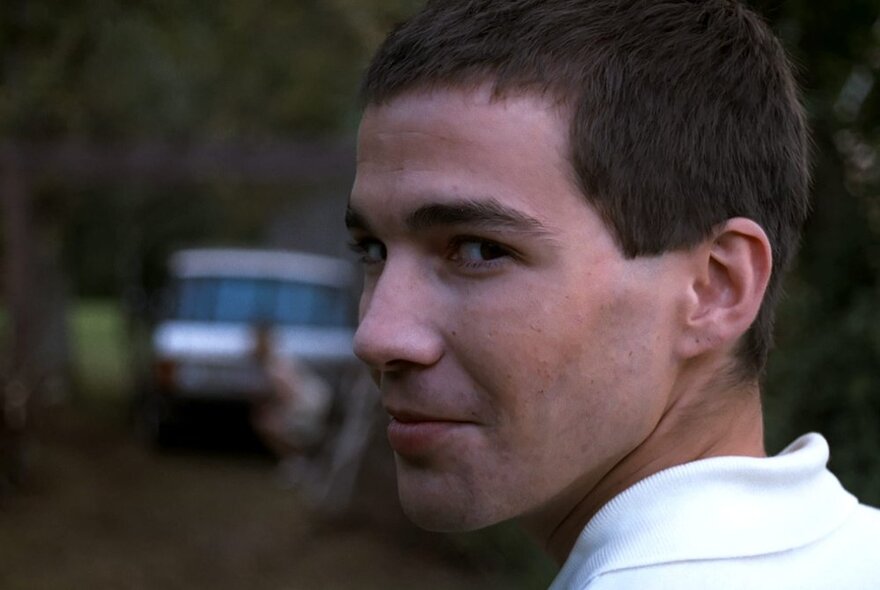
point(131, 131)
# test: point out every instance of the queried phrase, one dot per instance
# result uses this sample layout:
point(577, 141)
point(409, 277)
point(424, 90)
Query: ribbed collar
point(713, 508)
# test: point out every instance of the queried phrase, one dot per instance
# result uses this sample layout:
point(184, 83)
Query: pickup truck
point(220, 302)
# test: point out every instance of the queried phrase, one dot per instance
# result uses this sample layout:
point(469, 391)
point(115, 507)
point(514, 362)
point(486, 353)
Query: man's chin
point(440, 508)
point(442, 519)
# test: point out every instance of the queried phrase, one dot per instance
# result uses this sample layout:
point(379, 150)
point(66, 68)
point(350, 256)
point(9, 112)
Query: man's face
point(519, 354)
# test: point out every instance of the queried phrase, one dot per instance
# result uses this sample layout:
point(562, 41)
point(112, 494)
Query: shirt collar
point(714, 508)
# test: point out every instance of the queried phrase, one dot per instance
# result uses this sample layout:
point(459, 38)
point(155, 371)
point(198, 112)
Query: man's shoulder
point(861, 531)
point(870, 515)
point(783, 523)
point(844, 560)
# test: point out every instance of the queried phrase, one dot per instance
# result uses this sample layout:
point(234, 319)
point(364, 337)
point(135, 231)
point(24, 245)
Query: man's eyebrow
point(487, 213)
point(480, 213)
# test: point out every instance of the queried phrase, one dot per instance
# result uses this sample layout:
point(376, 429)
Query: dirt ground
point(101, 511)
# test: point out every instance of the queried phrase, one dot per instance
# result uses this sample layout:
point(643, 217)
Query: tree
point(826, 374)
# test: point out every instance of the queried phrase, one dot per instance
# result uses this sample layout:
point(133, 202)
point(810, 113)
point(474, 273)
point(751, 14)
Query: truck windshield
point(233, 299)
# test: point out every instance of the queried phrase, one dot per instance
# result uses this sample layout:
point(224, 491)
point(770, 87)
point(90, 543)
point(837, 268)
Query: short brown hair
point(685, 113)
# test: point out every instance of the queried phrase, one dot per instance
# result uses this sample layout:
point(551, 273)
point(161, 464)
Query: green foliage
point(233, 68)
point(101, 364)
point(825, 375)
point(825, 379)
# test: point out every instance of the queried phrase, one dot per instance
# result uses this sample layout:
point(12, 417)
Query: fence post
point(18, 372)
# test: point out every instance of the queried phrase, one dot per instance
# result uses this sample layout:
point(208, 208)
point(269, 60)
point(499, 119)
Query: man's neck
point(714, 424)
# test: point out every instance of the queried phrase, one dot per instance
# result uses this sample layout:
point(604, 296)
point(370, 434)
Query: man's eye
point(474, 251)
point(370, 251)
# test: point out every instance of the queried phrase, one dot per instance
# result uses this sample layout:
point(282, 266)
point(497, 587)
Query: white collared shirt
point(780, 523)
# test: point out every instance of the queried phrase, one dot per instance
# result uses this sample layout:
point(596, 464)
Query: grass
point(102, 357)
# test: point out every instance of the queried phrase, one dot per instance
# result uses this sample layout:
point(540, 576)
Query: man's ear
point(731, 271)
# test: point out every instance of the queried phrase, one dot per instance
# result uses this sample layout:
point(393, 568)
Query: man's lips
point(414, 434)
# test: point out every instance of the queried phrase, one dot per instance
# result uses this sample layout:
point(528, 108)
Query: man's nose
point(396, 328)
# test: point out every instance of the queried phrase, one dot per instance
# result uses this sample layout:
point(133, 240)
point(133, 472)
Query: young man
point(573, 217)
